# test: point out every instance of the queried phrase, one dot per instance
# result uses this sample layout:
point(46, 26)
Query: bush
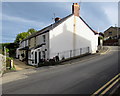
point(51, 62)
point(8, 63)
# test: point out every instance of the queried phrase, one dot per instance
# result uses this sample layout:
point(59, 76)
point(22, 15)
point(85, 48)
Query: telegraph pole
point(117, 29)
point(5, 56)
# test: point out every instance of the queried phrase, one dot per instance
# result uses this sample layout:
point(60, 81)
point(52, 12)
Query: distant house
point(112, 33)
point(68, 33)
point(112, 36)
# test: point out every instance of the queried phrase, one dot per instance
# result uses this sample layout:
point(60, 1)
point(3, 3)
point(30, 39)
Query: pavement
point(84, 76)
point(19, 65)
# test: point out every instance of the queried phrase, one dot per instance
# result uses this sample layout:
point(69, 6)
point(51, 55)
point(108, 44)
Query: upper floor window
point(44, 38)
point(110, 33)
point(25, 43)
point(35, 41)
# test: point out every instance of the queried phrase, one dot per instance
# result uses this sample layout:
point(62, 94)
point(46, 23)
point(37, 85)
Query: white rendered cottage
point(69, 33)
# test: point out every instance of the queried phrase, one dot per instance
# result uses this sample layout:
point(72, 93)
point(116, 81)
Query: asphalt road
point(82, 77)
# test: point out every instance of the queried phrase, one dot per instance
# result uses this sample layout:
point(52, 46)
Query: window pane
point(44, 38)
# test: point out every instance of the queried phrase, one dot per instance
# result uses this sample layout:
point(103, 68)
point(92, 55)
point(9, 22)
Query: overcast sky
point(18, 17)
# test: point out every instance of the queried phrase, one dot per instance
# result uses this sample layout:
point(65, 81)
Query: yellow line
point(110, 86)
point(105, 85)
point(106, 51)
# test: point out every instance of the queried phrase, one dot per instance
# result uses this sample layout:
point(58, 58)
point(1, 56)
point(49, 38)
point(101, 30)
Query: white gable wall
point(61, 37)
point(64, 37)
point(84, 31)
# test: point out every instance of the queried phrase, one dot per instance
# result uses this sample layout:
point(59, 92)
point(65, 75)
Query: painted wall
point(69, 36)
point(39, 41)
point(61, 37)
point(86, 34)
point(19, 52)
point(32, 42)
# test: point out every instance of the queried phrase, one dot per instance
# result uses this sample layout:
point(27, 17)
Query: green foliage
point(31, 31)
point(8, 63)
point(13, 68)
point(2, 45)
point(10, 48)
point(7, 50)
point(24, 35)
point(9, 58)
point(21, 36)
point(100, 37)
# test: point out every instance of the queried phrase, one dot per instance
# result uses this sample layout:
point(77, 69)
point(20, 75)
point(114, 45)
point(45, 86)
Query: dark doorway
point(35, 57)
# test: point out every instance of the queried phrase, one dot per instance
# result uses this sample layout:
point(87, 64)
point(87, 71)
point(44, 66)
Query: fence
point(72, 53)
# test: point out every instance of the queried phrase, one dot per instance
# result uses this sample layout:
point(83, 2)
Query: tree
point(21, 36)
point(31, 31)
point(24, 35)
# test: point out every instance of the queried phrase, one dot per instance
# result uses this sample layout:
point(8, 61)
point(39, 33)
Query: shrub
point(8, 63)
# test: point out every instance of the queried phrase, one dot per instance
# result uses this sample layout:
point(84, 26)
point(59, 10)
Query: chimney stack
point(57, 19)
point(75, 9)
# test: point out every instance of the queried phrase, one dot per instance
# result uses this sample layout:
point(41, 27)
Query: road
point(82, 77)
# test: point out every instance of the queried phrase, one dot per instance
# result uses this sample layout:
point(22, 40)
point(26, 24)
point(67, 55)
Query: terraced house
point(64, 38)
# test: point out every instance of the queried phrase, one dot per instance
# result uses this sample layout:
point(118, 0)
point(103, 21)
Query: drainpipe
point(74, 36)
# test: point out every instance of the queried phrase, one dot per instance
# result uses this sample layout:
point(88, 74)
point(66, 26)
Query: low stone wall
point(2, 64)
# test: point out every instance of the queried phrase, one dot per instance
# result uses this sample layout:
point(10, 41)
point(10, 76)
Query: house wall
point(69, 36)
point(89, 38)
point(43, 48)
point(26, 43)
point(22, 44)
point(39, 41)
point(111, 32)
point(32, 42)
point(61, 38)
point(19, 54)
point(19, 51)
